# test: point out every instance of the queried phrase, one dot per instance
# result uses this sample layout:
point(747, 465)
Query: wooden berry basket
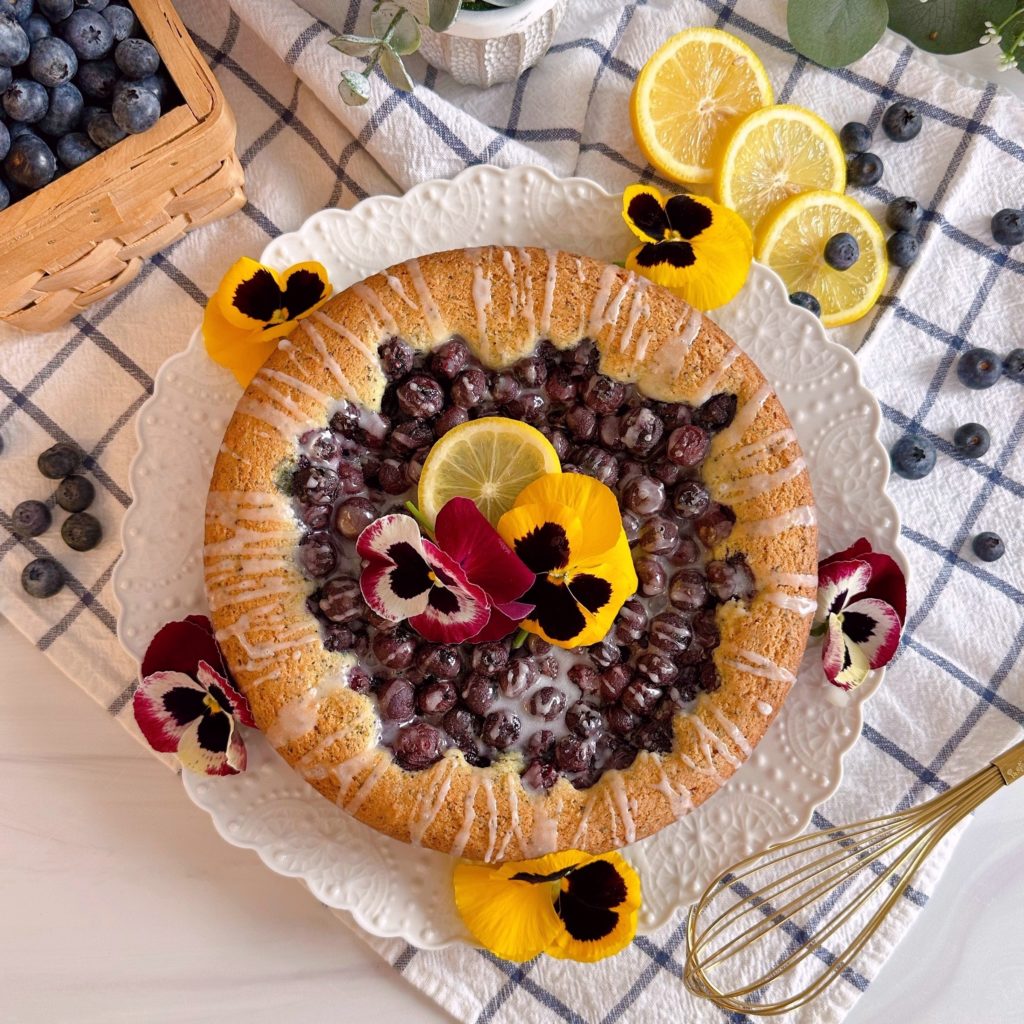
point(87, 234)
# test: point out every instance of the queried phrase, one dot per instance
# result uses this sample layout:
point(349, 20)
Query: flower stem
point(421, 519)
point(520, 639)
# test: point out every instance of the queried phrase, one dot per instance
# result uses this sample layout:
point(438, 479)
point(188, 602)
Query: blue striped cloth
point(954, 696)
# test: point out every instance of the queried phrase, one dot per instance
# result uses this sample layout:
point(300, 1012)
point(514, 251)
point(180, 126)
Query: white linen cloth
point(954, 696)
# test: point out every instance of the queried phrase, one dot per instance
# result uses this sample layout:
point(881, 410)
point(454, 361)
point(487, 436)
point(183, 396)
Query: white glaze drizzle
point(433, 791)
point(770, 444)
point(764, 707)
point(428, 306)
point(492, 817)
point(368, 785)
point(732, 730)
point(680, 801)
point(802, 515)
point(639, 309)
point(670, 356)
point(605, 308)
point(710, 385)
point(481, 298)
point(743, 420)
point(791, 602)
point(527, 292)
point(330, 363)
point(353, 339)
point(468, 817)
point(619, 799)
point(756, 664)
point(381, 313)
point(748, 487)
point(549, 292)
point(544, 836)
point(395, 284)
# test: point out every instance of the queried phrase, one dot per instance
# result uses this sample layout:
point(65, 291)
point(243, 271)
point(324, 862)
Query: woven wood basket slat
point(85, 235)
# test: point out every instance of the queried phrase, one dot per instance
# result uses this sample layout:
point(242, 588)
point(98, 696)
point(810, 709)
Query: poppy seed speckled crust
point(277, 647)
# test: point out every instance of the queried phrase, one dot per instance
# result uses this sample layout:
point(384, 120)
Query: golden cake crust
point(501, 301)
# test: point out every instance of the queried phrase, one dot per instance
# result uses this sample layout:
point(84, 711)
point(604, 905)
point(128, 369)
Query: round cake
point(491, 751)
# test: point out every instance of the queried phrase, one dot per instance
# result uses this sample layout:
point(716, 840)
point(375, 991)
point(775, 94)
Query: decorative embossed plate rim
point(394, 890)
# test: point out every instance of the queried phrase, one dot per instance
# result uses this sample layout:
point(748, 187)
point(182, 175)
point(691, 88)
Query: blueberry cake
point(490, 751)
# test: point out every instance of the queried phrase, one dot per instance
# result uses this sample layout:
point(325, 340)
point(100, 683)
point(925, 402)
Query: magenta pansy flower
point(862, 605)
point(186, 703)
point(465, 584)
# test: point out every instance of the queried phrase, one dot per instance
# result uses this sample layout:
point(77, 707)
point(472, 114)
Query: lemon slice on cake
point(793, 242)
point(489, 460)
point(776, 153)
point(689, 97)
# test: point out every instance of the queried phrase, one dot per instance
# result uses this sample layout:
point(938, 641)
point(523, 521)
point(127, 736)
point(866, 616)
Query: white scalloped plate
point(394, 890)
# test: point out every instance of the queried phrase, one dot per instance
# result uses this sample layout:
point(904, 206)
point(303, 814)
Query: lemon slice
point(793, 245)
point(776, 153)
point(690, 95)
point(489, 460)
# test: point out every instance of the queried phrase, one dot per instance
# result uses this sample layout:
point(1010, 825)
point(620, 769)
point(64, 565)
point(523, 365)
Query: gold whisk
point(818, 899)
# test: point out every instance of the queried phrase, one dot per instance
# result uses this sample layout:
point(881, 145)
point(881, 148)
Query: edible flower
point(570, 905)
point(463, 585)
point(567, 528)
point(696, 248)
point(256, 305)
point(862, 605)
point(186, 703)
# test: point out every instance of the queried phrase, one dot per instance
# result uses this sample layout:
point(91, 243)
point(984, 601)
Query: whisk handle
point(1011, 763)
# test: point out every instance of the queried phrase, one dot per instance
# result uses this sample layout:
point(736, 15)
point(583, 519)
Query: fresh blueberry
point(855, 137)
point(135, 109)
point(988, 546)
point(5, 140)
point(89, 34)
point(36, 28)
point(105, 131)
point(93, 5)
point(97, 79)
point(65, 111)
point(52, 62)
point(842, 251)
point(75, 149)
point(913, 456)
point(807, 301)
point(972, 439)
point(55, 10)
point(30, 519)
point(42, 577)
point(75, 493)
point(1013, 365)
point(6, 77)
point(979, 368)
point(902, 248)
point(21, 9)
point(1008, 227)
point(5, 196)
point(864, 169)
point(30, 163)
point(901, 122)
point(137, 58)
point(81, 531)
point(14, 41)
point(156, 84)
point(903, 214)
point(26, 101)
point(89, 114)
point(122, 21)
point(59, 460)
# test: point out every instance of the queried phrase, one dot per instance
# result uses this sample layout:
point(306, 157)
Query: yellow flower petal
point(243, 352)
point(249, 295)
point(523, 519)
point(616, 567)
point(640, 214)
point(306, 288)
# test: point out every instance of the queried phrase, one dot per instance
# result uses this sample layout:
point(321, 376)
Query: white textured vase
point(487, 47)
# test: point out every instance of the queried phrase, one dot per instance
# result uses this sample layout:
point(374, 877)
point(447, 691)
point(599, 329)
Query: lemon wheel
point(489, 460)
point(774, 154)
point(793, 244)
point(690, 95)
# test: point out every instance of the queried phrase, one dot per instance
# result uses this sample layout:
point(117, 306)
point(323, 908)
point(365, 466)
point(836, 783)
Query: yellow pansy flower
point(255, 306)
point(696, 248)
point(568, 530)
point(570, 905)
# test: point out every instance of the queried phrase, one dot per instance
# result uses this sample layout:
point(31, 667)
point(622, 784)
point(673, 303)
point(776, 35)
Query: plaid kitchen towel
point(955, 694)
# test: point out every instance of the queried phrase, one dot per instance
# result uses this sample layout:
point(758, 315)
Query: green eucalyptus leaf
point(394, 70)
point(836, 32)
point(405, 29)
point(355, 46)
point(946, 26)
point(442, 13)
point(354, 88)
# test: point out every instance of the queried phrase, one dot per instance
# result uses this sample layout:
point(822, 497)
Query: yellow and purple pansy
point(862, 605)
point(698, 249)
point(567, 528)
point(254, 307)
point(570, 905)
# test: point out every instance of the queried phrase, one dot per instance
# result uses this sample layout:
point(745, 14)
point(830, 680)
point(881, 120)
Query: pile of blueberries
point(81, 531)
point(76, 77)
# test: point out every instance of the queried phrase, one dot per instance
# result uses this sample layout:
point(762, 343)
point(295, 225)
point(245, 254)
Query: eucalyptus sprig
point(395, 33)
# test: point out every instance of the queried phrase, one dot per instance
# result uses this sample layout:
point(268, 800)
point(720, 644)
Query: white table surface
point(119, 902)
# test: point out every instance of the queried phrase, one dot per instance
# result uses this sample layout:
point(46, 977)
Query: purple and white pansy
point(862, 605)
point(463, 585)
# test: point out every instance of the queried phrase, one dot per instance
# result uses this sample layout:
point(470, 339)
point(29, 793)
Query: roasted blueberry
point(614, 680)
point(691, 499)
point(596, 462)
point(603, 395)
point(972, 440)
point(42, 577)
point(531, 372)
point(353, 516)
point(547, 702)
point(574, 754)
point(902, 248)
point(501, 729)
point(418, 746)
point(715, 525)
point(397, 700)
point(806, 301)
point(479, 693)
point(659, 536)
point(842, 251)
point(396, 358)
point(316, 553)
point(730, 579)
point(585, 677)
point(1008, 227)
point(584, 719)
point(81, 531)
point(462, 726)
point(644, 495)
point(864, 169)
point(489, 658)
point(468, 389)
point(903, 214)
point(59, 461)
point(75, 493)
point(641, 431)
point(631, 623)
point(717, 412)
point(651, 575)
point(436, 698)
point(540, 775)
point(688, 590)
point(640, 697)
point(988, 546)
point(901, 122)
point(439, 661)
point(670, 633)
point(518, 676)
point(913, 456)
point(688, 445)
point(855, 137)
point(979, 368)
point(341, 600)
point(30, 519)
